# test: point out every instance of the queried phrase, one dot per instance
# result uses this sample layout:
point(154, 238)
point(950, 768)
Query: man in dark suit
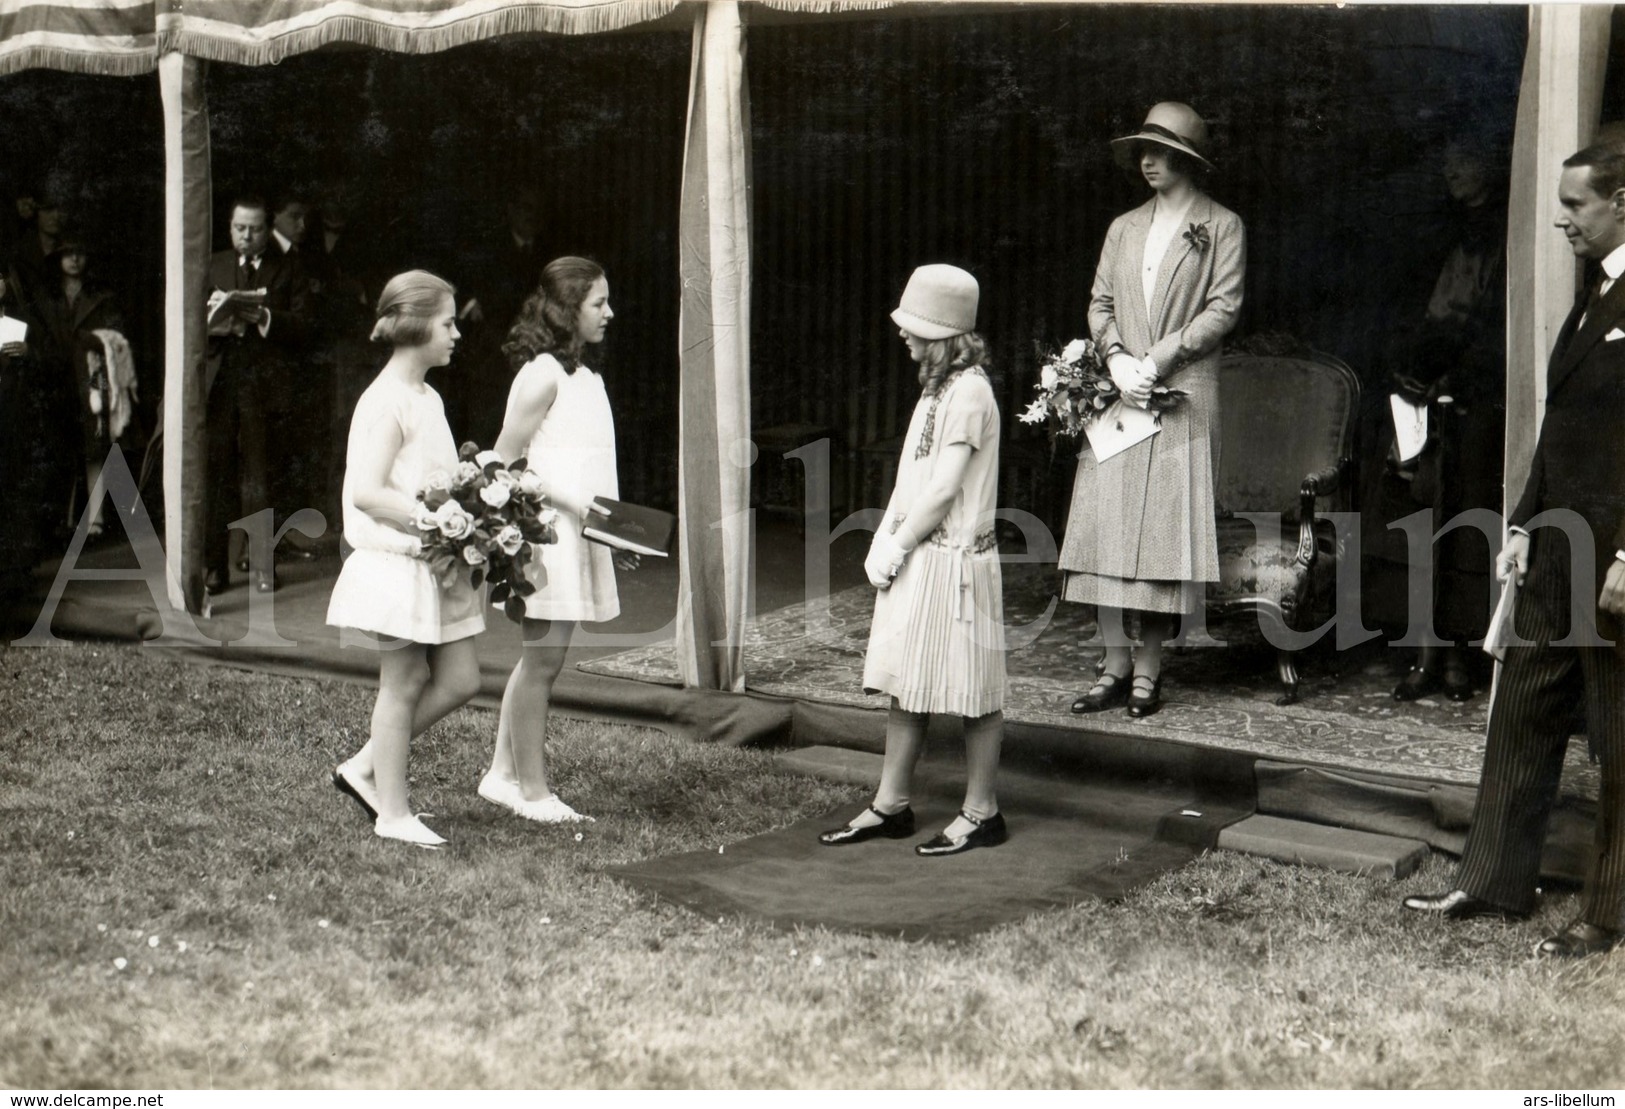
point(1567, 551)
point(252, 370)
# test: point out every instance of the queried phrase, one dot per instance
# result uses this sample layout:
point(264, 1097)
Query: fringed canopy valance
point(260, 32)
point(115, 38)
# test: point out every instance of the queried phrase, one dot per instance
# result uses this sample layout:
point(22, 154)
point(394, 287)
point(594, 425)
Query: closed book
point(632, 527)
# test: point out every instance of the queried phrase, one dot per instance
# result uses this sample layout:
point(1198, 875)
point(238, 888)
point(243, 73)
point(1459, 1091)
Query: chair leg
point(1286, 664)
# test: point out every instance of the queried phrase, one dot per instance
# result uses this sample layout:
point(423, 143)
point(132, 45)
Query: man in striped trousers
point(1567, 551)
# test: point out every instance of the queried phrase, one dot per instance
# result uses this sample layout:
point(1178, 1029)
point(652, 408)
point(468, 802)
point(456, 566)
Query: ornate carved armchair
point(1286, 428)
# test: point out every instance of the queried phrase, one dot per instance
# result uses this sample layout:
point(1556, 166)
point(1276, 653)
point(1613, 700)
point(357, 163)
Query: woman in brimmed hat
point(937, 640)
point(1140, 536)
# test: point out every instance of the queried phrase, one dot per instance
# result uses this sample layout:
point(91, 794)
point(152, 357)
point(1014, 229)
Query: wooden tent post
point(714, 537)
point(187, 202)
point(1559, 104)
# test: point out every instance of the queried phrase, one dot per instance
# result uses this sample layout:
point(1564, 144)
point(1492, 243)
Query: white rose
point(496, 494)
point(1048, 378)
point(473, 555)
point(485, 458)
point(467, 473)
point(530, 483)
point(506, 477)
point(424, 518)
point(510, 540)
point(1074, 350)
point(453, 522)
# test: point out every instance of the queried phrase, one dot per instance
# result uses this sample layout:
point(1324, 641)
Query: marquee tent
point(1559, 105)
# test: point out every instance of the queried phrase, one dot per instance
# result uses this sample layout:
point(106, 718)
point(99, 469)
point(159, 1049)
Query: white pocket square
point(1612, 335)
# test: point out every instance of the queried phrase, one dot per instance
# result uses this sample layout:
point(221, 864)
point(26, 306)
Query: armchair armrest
point(1319, 484)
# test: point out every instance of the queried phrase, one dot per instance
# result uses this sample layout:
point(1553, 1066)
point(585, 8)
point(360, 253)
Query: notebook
point(632, 527)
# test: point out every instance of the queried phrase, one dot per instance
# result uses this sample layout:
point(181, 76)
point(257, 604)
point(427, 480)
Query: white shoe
point(347, 780)
point(407, 829)
point(501, 791)
point(551, 810)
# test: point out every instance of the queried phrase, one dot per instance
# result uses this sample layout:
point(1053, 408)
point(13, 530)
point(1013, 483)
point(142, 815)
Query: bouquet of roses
point(489, 519)
point(1075, 386)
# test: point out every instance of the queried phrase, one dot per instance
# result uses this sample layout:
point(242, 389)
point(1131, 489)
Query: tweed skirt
point(1146, 516)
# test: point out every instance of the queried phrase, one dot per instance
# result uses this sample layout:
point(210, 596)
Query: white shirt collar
point(1614, 264)
point(282, 241)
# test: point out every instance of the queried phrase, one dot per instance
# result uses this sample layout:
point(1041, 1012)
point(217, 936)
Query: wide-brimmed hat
point(939, 302)
point(1170, 124)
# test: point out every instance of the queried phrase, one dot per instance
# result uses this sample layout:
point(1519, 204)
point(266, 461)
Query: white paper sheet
point(1410, 427)
point(1119, 428)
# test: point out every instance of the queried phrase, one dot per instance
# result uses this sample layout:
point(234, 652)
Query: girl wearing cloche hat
point(1140, 536)
point(937, 641)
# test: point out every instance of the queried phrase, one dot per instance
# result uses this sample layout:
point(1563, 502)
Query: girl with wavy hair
point(398, 437)
point(558, 418)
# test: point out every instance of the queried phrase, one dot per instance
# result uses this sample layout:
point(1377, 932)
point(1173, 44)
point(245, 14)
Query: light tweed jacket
point(1147, 514)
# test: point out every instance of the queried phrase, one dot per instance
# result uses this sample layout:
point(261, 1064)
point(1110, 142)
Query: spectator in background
point(252, 369)
point(34, 266)
point(344, 280)
point(502, 266)
point(37, 406)
point(1449, 378)
point(85, 329)
point(302, 481)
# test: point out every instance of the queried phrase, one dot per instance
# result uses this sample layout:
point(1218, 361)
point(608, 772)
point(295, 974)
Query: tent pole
point(714, 454)
point(187, 203)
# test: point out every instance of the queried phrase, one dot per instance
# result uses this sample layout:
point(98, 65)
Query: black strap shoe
point(1146, 698)
point(1108, 692)
point(896, 825)
point(987, 833)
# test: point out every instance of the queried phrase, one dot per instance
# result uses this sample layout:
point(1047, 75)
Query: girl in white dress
point(558, 419)
point(398, 437)
point(937, 641)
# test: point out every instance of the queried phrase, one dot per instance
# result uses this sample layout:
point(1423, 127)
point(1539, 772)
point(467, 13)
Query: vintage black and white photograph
point(811, 544)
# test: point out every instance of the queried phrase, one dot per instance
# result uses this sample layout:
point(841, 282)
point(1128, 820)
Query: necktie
point(1592, 293)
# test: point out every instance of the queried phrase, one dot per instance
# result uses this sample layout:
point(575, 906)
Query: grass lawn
point(177, 817)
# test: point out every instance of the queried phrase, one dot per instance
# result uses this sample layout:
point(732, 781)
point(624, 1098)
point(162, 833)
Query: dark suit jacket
point(270, 362)
point(1579, 460)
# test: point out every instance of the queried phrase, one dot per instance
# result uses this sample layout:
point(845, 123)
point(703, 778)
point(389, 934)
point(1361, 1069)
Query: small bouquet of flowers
point(1074, 387)
point(487, 518)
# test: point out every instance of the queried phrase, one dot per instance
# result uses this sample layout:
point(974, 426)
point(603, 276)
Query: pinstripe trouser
point(1528, 735)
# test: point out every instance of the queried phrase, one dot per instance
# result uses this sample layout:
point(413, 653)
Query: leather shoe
point(357, 788)
point(1416, 685)
point(1459, 905)
point(1108, 692)
point(265, 583)
point(987, 833)
point(1577, 941)
point(217, 581)
point(1143, 704)
point(1457, 685)
point(896, 825)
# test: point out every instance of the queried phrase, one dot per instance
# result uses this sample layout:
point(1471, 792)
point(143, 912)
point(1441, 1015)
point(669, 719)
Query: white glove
point(886, 557)
point(1132, 377)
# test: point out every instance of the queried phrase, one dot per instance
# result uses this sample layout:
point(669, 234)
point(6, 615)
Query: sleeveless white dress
point(573, 451)
point(383, 587)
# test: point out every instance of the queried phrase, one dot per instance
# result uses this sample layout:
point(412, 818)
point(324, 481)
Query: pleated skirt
point(937, 639)
point(398, 596)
